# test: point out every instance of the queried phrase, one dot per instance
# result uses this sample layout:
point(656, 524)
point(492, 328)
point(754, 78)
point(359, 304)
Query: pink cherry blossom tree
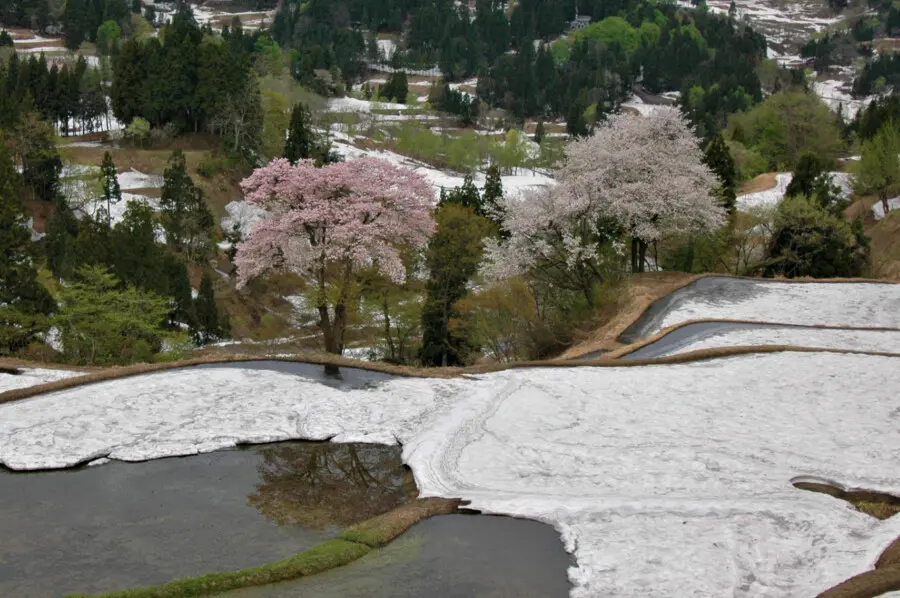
point(326, 223)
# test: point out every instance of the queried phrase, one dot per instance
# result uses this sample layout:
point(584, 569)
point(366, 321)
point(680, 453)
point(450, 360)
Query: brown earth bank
point(335, 361)
point(763, 182)
point(884, 578)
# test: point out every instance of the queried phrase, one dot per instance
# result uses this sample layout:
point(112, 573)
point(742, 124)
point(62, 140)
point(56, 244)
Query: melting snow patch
point(514, 186)
point(769, 196)
point(878, 209)
point(134, 179)
point(354, 105)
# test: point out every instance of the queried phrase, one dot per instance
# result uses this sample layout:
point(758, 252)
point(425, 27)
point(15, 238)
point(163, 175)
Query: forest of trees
point(473, 274)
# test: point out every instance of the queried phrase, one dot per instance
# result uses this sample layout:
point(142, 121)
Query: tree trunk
point(634, 255)
point(327, 330)
point(638, 255)
point(885, 205)
point(340, 324)
point(387, 331)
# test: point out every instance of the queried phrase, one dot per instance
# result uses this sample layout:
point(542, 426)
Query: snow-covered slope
point(33, 377)
point(858, 305)
point(883, 341)
point(664, 480)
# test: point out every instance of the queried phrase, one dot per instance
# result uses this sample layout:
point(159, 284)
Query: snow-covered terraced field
point(879, 341)
point(854, 305)
point(663, 480)
point(33, 377)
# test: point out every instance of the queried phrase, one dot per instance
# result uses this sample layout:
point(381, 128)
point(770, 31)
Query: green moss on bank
point(331, 554)
point(354, 543)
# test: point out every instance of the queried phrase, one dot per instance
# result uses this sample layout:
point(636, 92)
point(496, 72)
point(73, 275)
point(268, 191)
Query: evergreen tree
point(466, 195)
point(109, 185)
point(492, 198)
point(103, 324)
point(539, 132)
point(35, 144)
point(301, 141)
point(452, 258)
point(719, 160)
point(185, 216)
point(810, 241)
point(396, 88)
point(207, 326)
point(22, 298)
point(61, 241)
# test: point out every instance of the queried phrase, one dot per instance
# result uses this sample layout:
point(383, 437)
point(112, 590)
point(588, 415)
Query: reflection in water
point(125, 525)
point(319, 485)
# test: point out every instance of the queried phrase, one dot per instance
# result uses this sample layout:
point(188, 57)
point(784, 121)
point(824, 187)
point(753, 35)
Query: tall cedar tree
point(110, 191)
point(20, 291)
point(185, 216)
point(452, 258)
point(396, 88)
point(301, 141)
point(812, 179)
point(61, 242)
point(207, 325)
point(719, 160)
point(466, 196)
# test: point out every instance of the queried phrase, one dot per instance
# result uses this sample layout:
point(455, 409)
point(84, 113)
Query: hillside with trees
point(526, 138)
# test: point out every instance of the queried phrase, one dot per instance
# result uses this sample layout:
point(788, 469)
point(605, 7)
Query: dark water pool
point(123, 525)
point(449, 556)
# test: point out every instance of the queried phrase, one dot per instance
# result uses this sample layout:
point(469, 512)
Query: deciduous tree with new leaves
point(646, 173)
point(326, 223)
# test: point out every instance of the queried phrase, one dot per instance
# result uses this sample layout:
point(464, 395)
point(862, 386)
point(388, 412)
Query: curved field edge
point(350, 545)
point(637, 345)
point(19, 394)
point(884, 578)
point(651, 288)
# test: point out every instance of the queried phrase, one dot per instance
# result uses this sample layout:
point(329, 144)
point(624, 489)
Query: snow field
point(773, 196)
point(881, 341)
point(663, 480)
point(860, 305)
point(33, 377)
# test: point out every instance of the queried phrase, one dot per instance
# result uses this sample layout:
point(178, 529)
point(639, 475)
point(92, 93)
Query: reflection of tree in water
point(319, 485)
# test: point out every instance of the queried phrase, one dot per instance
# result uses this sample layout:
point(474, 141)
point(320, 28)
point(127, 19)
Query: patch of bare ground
point(27, 45)
point(861, 206)
point(885, 236)
point(875, 504)
point(884, 578)
point(639, 292)
point(886, 575)
point(887, 45)
point(531, 127)
point(763, 182)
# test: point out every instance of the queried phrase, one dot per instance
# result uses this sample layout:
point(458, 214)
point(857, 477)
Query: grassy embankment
point(352, 544)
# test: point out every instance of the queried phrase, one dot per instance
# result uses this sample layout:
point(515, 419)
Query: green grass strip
point(323, 557)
